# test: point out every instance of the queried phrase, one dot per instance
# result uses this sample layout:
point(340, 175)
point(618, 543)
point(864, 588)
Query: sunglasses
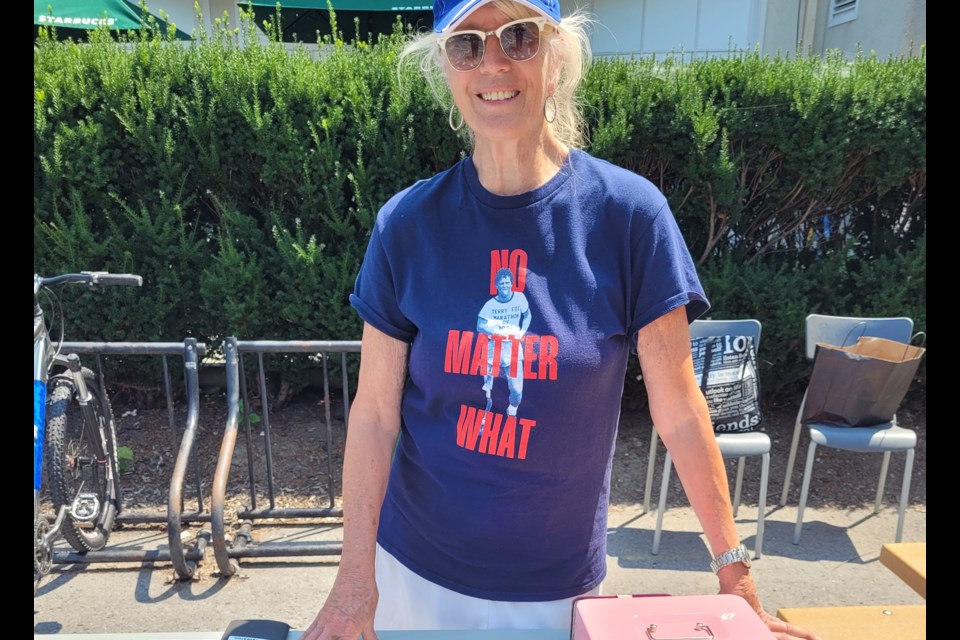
point(520, 40)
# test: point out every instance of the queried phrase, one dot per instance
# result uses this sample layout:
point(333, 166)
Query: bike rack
point(184, 563)
point(234, 350)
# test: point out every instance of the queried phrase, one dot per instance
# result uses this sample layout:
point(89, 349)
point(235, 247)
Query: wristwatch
point(737, 554)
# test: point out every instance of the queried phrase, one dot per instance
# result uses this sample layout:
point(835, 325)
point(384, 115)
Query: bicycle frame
point(48, 362)
point(42, 355)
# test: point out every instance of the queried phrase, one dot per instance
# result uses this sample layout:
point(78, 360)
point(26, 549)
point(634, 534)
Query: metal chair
point(732, 445)
point(885, 437)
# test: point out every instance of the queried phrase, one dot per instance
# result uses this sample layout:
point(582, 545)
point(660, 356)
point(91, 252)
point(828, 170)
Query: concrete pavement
point(836, 563)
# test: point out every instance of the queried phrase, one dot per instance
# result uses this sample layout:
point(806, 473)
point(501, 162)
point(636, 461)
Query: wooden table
point(909, 561)
point(872, 622)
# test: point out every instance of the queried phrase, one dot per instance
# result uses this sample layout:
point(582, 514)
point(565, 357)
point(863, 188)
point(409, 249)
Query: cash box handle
point(700, 626)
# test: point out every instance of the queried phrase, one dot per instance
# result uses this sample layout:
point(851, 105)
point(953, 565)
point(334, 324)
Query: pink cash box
point(662, 617)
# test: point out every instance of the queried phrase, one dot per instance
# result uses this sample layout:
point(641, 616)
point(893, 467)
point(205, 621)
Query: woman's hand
point(784, 630)
point(348, 611)
point(736, 579)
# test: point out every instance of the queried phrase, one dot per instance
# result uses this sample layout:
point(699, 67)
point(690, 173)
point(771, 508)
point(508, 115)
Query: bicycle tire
point(72, 465)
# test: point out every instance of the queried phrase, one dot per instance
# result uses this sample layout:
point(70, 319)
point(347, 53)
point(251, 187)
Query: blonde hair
point(567, 47)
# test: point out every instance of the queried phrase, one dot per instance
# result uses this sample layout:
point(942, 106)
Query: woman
point(493, 512)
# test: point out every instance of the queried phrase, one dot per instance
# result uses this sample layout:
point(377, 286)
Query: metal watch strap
point(737, 554)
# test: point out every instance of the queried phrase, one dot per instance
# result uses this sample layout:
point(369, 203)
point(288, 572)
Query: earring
point(455, 127)
point(550, 109)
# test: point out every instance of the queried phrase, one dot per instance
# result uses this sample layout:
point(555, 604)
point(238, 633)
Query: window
point(842, 11)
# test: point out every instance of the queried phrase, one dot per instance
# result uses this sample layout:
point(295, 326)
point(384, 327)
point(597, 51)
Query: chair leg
point(884, 467)
point(761, 512)
point(904, 493)
point(664, 488)
point(738, 486)
point(651, 463)
point(793, 453)
point(807, 472)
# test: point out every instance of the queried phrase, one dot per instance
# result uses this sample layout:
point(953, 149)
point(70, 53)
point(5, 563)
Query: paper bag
point(861, 384)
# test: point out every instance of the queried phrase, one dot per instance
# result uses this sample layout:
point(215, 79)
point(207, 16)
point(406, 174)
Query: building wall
point(180, 12)
point(216, 8)
point(696, 27)
point(710, 27)
point(886, 27)
point(784, 26)
point(183, 13)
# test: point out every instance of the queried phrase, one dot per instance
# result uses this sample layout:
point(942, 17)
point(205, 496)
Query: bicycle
point(73, 424)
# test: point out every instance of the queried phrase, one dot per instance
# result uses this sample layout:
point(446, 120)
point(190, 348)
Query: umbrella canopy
point(303, 19)
point(73, 18)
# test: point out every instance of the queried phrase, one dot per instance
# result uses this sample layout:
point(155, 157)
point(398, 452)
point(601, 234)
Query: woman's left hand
point(738, 581)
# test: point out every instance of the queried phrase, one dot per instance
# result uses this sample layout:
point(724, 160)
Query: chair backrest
point(842, 331)
point(745, 327)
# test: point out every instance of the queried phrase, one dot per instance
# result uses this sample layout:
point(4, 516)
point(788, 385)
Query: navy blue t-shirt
point(521, 312)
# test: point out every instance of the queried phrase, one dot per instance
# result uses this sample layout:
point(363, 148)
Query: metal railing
point(234, 350)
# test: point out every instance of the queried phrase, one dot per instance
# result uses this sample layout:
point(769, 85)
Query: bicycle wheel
point(86, 485)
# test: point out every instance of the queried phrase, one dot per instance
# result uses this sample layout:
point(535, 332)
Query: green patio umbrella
point(74, 18)
point(305, 18)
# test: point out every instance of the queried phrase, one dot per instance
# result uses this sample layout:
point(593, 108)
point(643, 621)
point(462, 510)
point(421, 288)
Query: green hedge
point(242, 182)
point(840, 284)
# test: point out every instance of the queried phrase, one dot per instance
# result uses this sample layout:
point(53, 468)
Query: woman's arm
point(374, 425)
point(680, 414)
point(682, 419)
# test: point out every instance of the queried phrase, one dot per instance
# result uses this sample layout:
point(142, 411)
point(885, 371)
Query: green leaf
point(125, 459)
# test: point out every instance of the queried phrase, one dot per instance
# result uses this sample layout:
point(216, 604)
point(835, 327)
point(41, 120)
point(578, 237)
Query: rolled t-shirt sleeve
point(663, 275)
point(375, 290)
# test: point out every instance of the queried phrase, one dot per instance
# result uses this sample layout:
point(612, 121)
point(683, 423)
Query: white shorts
point(409, 602)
